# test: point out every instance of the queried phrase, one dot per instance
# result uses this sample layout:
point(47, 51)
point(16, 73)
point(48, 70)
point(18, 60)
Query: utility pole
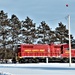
point(69, 41)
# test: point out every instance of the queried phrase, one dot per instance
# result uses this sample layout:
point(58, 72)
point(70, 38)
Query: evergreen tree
point(44, 33)
point(28, 31)
point(62, 33)
point(4, 34)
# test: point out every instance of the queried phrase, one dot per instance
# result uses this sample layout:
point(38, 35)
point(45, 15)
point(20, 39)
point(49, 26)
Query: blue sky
point(50, 11)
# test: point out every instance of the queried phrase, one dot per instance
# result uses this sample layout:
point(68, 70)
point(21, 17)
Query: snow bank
point(5, 73)
point(38, 69)
point(39, 65)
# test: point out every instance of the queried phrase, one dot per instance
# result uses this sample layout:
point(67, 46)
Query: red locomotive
point(35, 53)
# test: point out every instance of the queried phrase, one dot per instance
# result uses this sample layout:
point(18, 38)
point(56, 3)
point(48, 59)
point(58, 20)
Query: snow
point(5, 73)
point(39, 69)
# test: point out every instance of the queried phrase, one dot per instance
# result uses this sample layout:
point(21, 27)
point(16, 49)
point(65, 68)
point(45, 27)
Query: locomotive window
point(19, 49)
point(18, 46)
point(73, 46)
point(61, 49)
point(67, 48)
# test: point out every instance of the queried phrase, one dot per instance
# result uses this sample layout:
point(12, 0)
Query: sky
point(50, 11)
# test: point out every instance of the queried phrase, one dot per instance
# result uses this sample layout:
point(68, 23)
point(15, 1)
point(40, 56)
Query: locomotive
point(44, 53)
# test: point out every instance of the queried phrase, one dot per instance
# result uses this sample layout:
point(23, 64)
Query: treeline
point(14, 32)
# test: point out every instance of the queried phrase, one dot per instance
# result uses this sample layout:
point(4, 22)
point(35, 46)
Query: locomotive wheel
point(21, 60)
point(73, 60)
point(30, 60)
point(65, 60)
point(37, 60)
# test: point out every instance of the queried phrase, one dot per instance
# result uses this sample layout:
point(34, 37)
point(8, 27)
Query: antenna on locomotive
point(69, 38)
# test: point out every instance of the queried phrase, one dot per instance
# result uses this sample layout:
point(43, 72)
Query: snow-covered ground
point(39, 69)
